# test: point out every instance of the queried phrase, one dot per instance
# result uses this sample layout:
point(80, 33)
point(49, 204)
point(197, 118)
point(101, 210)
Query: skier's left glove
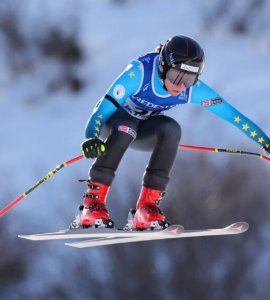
point(266, 148)
point(93, 148)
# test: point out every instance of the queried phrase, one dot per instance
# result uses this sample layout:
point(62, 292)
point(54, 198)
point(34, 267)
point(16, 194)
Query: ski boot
point(93, 212)
point(147, 214)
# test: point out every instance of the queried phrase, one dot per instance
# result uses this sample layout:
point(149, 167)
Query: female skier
point(130, 114)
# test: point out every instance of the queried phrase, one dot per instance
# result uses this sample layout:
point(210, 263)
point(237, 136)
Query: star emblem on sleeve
point(261, 140)
point(97, 126)
point(253, 133)
point(245, 127)
point(237, 119)
point(131, 74)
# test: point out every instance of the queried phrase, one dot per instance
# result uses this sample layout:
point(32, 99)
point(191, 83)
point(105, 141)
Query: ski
point(99, 233)
point(106, 236)
point(169, 233)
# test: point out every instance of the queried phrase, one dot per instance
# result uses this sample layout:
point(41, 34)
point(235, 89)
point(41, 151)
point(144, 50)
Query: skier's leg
point(160, 134)
point(120, 131)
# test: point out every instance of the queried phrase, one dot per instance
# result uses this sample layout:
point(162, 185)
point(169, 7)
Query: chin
point(175, 93)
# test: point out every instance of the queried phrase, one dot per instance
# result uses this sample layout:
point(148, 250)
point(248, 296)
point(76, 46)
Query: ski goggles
point(180, 75)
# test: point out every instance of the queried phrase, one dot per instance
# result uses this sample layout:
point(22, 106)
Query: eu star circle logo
point(119, 91)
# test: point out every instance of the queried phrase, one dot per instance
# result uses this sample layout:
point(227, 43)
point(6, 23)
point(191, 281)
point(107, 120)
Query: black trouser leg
point(121, 129)
point(160, 134)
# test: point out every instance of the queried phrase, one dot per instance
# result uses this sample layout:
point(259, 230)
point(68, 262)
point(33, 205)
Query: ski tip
point(238, 227)
point(27, 237)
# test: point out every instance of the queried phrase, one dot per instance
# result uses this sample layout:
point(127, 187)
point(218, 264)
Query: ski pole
point(75, 159)
point(45, 178)
point(230, 151)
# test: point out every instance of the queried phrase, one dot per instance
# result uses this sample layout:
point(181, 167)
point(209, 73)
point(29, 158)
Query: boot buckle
point(99, 223)
point(154, 225)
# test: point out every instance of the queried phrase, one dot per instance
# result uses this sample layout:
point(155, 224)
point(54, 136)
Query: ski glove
point(93, 148)
point(267, 149)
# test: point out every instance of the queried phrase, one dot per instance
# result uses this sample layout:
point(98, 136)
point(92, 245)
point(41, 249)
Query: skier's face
point(174, 90)
point(180, 77)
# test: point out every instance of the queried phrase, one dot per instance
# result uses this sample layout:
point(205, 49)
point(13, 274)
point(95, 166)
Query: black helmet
point(182, 53)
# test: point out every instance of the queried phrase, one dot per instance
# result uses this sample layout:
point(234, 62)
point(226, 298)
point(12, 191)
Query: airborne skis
point(104, 236)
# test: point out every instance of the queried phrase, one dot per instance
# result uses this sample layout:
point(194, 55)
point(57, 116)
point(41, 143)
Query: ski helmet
point(184, 56)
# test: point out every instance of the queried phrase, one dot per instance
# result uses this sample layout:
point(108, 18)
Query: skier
point(130, 114)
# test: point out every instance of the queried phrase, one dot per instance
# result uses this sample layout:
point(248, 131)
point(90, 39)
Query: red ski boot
point(148, 215)
point(94, 212)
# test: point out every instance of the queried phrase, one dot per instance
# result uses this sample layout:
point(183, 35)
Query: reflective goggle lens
point(177, 77)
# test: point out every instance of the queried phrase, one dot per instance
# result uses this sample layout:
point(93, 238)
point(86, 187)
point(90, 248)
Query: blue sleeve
point(206, 97)
point(125, 85)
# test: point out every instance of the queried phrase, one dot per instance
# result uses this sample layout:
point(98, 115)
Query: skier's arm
point(125, 85)
point(210, 100)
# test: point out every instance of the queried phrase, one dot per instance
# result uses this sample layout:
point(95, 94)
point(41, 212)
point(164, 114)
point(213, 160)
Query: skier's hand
point(93, 148)
point(267, 149)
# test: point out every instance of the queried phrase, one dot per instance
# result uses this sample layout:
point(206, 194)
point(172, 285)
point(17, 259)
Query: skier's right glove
point(93, 148)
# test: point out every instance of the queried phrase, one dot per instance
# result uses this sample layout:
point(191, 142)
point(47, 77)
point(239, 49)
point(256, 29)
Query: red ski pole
point(230, 151)
point(73, 160)
point(45, 178)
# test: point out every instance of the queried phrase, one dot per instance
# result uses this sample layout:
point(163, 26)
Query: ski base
point(107, 236)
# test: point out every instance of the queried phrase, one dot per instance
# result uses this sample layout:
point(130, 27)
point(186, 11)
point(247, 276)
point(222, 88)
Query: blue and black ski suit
point(132, 114)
